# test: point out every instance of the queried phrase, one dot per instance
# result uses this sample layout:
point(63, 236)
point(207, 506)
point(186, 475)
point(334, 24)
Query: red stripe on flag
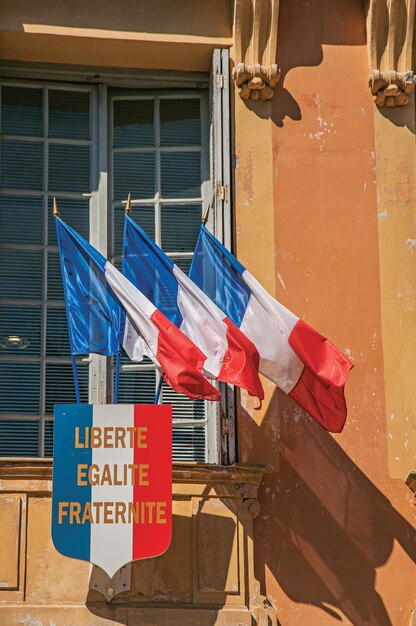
point(181, 361)
point(320, 389)
point(241, 362)
point(152, 532)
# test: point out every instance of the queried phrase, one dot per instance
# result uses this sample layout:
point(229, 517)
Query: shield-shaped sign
point(112, 482)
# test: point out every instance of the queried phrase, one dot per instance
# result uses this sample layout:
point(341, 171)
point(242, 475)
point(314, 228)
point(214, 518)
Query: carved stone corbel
point(255, 40)
point(390, 28)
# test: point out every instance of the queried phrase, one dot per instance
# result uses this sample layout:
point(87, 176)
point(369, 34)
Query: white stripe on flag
point(268, 324)
point(202, 323)
point(112, 544)
point(139, 312)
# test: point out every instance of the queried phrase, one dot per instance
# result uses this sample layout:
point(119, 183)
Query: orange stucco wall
point(335, 541)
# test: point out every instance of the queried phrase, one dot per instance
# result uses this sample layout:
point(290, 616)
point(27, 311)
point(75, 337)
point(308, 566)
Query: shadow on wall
point(324, 527)
point(171, 581)
point(304, 28)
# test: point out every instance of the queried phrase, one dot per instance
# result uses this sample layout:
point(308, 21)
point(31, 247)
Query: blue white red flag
point(231, 356)
point(112, 482)
point(298, 359)
point(94, 290)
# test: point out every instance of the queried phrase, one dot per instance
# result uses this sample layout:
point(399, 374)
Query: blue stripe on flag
point(150, 270)
point(70, 539)
point(218, 273)
point(93, 312)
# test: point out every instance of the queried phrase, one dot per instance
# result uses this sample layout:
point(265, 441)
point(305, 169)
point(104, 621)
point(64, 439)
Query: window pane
point(76, 213)
point(57, 342)
point(22, 165)
point(180, 227)
point(182, 407)
point(69, 114)
point(60, 387)
point(183, 263)
point(19, 389)
point(21, 219)
point(69, 168)
point(48, 440)
point(181, 174)
point(134, 173)
point(188, 443)
point(19, 438)
point(180, 122)
point(55, 290)
point(21, 274)
point(137, 387)
point(20, 329)
point(133, 123)
point(143, 215)
point(21, 111)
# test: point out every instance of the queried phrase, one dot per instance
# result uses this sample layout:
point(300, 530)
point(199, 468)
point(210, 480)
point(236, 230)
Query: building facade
point(295, 120)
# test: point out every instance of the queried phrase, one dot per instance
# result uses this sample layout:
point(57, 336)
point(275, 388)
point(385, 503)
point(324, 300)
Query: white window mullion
point(99, 389)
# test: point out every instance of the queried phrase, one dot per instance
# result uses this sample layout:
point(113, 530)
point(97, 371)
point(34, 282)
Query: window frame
point(101, 235)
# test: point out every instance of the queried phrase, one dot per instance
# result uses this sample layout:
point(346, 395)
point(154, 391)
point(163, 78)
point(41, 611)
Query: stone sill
point(35, 475)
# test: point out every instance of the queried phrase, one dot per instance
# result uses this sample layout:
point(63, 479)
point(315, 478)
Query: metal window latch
point(226, 425)
point(222, 192)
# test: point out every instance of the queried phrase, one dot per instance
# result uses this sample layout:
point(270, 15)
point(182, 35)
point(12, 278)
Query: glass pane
point(133, 123)
point(69, 114)
point(183, 263)
point(181, 174)
point(21, 274)
point(60, 385)
point(134, 173)
point(48, 441)
point(188, 443)
point(22, 165)
point(180, 122)
point(180, 227)
point(19, 438)
point(57, 342)
point(21, 111)
point(76, 213)
point(69, 168)
point(55, 291)
point(143, 215)
point(21, 219)
point(137, 387)
point(183, 407)
point(20, 329)
point(20, 387)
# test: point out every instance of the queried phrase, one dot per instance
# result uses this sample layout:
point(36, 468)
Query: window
point(90, 145)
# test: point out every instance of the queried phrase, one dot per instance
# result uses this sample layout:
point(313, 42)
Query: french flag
point(231, 356)
point(94, 290)
point(299, 360)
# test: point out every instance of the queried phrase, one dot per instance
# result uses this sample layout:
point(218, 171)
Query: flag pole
point(118, 355)
point(158, 391)
point(55, 213)
point(206, 215)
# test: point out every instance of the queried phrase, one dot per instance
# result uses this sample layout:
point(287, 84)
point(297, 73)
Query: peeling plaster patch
point(383, 215)
point(410, 244)
point(365, 186)
point(282, 282)
point(348, 352)
point(311, 99)
point(392, 416)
